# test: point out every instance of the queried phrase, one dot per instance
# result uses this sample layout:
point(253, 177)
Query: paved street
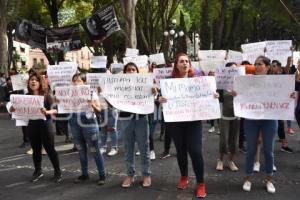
point(16, 169)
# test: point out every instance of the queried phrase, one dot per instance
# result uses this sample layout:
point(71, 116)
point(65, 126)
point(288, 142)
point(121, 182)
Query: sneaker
point(44, 151)
point(113, 152)
point(286, 149)
point(82, 178)
point(101, 180)
point(102, 150)
point(146, 181)
point(242, 149)
point(128, 182)
point(232, 166)
point(200, 193)
point(220, 165)
point(256, 167)
point(37, 175)
point(274, 168)
point(152, 155)
point(247, 186)
point(138, 153)
point(164, 155)
point(291, 131)
point(29, 152)
point(270, 187)
point(57, 177)
point(211, 130)
point(183, 182)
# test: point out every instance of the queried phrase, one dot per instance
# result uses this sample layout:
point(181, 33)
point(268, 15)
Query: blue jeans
point(252, 129)
point(86, 135)
point(136, 130)
point(109, 118)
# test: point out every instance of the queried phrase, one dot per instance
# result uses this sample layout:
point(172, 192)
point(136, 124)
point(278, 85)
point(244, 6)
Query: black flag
point(101, 24)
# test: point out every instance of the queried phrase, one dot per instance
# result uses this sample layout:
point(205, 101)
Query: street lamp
point(195, 41)
point(172, 34)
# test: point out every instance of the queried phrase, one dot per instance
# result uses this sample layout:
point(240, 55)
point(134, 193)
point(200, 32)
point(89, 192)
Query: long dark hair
point(175, 73)
point(130, 64)
point(42, 88)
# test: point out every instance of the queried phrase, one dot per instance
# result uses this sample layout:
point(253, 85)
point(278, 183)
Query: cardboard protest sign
point(93, 80)
point(212, 54)
point(73, 99)
point(190, 99)
point(252, 50)
point(225, 76)
point(60, 75)
point(140, 61)
point(101, 24)
point(27, 106)
point(158, 58)
point(296, 57)
point(19, 81)
point(99, 62)
point(234, 56)
point(161, 73)
point(129, 92)
point(131, 52)
point(211, 65)
point(264, 97)
point(279, 50)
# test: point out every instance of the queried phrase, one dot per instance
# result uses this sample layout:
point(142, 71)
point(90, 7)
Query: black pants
point(187, 138)
point(40, 135)
point(25, 134)
point(281, 133)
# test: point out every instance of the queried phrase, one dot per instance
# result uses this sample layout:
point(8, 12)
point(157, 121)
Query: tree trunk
point(128, 8)
point(205, 35)
point(3, 37)
point(221, 25)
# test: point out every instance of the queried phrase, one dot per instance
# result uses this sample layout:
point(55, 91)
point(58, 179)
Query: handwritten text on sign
point(60, 75)
point(279, 50)
point(93, 80)
point(252, 50)
point(161, 73)
point(225, 76)
point(129, 92)
point(264, 97)
point(19, 81)
point(190, 99)
point(27, 106)
point(73, 99)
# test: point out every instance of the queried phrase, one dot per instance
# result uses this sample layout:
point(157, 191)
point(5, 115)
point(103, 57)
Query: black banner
point(31, 34)
point(101, 24)
point(63, 38)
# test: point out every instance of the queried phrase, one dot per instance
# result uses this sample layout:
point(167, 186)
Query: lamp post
point(172, 34)
point(195, 39)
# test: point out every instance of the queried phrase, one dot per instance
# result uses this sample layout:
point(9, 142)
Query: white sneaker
point(220, 165)
point(232, 166)
point(211, 130)
point(152, 155)
point(247, 186)
point(138, 153)
point(112, 152)
point(270, 187)
point(256, 167)
point(102, 150)
point(274, 168)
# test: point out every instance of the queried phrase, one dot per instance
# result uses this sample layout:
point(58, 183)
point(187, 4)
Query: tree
point(3, 37)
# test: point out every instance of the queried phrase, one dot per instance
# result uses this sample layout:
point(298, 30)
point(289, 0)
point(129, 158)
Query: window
point(34, 61)
point(22, 49)
point(23, 63)
point(42, 61)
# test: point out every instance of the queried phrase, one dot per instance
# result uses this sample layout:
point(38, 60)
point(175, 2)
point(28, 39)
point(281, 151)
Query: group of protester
point(136, 128)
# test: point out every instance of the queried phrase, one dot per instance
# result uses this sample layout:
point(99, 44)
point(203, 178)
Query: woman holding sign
point(39, 132)
point(187, 136)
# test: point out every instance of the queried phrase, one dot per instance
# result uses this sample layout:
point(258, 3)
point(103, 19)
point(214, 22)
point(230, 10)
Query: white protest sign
point(131, 52)
point(99, 62)
point(212, 54)
point(60, 75)
point(73, 99)
point(190, 99)
point(225, 76)
point(19, 81)
point(93, 80)
point(279, 50)
point(129, 92)
point(27, 106)
point(117, 68)
point(296, 57)
point(140, 61)
point(211, 65)
point(159, 59)
point(161, 73)
point(252, 50)
point(234, 56)
point(264, 97)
